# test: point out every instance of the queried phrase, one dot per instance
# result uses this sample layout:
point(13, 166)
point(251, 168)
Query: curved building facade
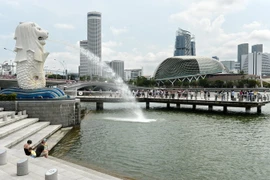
point(181, 67)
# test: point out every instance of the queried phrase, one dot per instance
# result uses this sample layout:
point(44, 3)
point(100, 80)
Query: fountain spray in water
point(125, 91)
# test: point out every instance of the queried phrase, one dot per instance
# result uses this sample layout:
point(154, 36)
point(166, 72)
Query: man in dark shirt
point(41, 151)
point(26, 148)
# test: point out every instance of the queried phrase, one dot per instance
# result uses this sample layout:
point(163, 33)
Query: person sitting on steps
point(33, 153)
point(26, 148)
point(41, 150)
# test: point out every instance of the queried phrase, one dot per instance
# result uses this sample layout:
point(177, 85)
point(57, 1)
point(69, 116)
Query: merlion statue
point(30, 57)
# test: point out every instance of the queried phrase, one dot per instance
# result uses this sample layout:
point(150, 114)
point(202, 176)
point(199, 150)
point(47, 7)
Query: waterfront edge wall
point(57, 111)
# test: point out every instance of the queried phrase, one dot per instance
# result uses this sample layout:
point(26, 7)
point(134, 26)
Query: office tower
point(184, 43)
point(256, 64)
point(230, 65)
point(84, 62)
point(118, 67)
point(94, 33)
point(94, 41)
point(132, 74)
point(241, 50)
point(193, 48)
point(91, 47)
point(257, 48)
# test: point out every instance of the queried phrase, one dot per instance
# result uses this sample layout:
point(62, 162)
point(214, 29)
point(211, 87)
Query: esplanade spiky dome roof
point(187, 66)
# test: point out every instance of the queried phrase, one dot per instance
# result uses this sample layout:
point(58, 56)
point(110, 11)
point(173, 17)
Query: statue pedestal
point(42, 93)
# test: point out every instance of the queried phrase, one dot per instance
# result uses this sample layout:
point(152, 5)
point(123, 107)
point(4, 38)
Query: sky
point(142, 32)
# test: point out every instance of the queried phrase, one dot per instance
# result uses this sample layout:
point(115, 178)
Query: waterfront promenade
point(39, 166)
point(15, 130)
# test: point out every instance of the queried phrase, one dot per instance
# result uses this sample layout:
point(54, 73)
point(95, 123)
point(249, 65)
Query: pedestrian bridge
point(100, 100)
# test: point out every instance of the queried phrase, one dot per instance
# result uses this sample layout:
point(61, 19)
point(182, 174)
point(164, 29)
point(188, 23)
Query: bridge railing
point(189, 95)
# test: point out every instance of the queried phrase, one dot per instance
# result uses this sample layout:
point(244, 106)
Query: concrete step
point(12, 120)
point(56, 137)
point(22, 134)
point(8, 129)
point(6, 113)
point(39, 136)
point(39, 166)
point(1, 109)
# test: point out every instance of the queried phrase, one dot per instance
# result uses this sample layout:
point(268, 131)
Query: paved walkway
point(39, 166)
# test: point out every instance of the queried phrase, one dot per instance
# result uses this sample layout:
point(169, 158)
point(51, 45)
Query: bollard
point(24, 112)
point(51, 174)
point(5, 118)
point(19, 113)
point(22, 167)
point(13, 115)
point(3, 156)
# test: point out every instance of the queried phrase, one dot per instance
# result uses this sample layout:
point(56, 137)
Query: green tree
point(229, 84)
point(194, 83)
point(251, 83)
point(203, 83)
point(218, 84)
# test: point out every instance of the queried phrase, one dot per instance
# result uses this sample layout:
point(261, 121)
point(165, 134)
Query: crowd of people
point(223, 95)
point(40, 151)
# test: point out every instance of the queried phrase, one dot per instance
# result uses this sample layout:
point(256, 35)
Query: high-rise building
point(91, 48)
point(132, 74)
point(241, 50)
point(94, 33)
point(257, 48)
point(184, 43)
point(230, 65)
point(84, 62)
point(118, 67)
point(193, 48)
point(256, 64)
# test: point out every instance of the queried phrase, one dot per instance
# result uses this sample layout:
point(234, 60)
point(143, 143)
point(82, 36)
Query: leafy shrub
point(8, 97)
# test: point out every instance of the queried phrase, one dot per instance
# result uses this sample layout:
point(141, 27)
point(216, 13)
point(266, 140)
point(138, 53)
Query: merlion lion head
point(30, 37)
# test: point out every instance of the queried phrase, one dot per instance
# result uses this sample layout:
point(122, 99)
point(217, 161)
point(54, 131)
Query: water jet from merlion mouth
point(125, 91)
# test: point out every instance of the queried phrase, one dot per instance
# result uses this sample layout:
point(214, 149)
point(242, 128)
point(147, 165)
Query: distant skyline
point(141, 33)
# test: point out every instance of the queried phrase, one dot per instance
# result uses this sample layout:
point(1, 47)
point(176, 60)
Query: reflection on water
point(172, 145)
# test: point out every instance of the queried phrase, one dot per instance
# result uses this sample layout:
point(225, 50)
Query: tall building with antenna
point(89, 60)
point(184, 43)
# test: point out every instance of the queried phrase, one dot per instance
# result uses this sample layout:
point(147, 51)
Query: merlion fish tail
point(30, 73)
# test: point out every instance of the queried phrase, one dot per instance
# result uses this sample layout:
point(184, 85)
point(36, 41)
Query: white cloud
point(62, 61)
point(208, 9)
point(8, 36)
point(13, 3)
point(111, 44)
point(253, 25)
point(135, 59)
point(260, 35)
point(64, 26)
point(118, 31)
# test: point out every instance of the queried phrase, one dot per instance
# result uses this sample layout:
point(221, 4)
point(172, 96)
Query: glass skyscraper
point(184, 43)
point(118, 67)
point(91, 47)
point(257, 48)
point(241, 50)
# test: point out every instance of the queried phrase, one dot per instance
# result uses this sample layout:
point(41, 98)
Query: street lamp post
point(11, 61)
point(65, 70)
